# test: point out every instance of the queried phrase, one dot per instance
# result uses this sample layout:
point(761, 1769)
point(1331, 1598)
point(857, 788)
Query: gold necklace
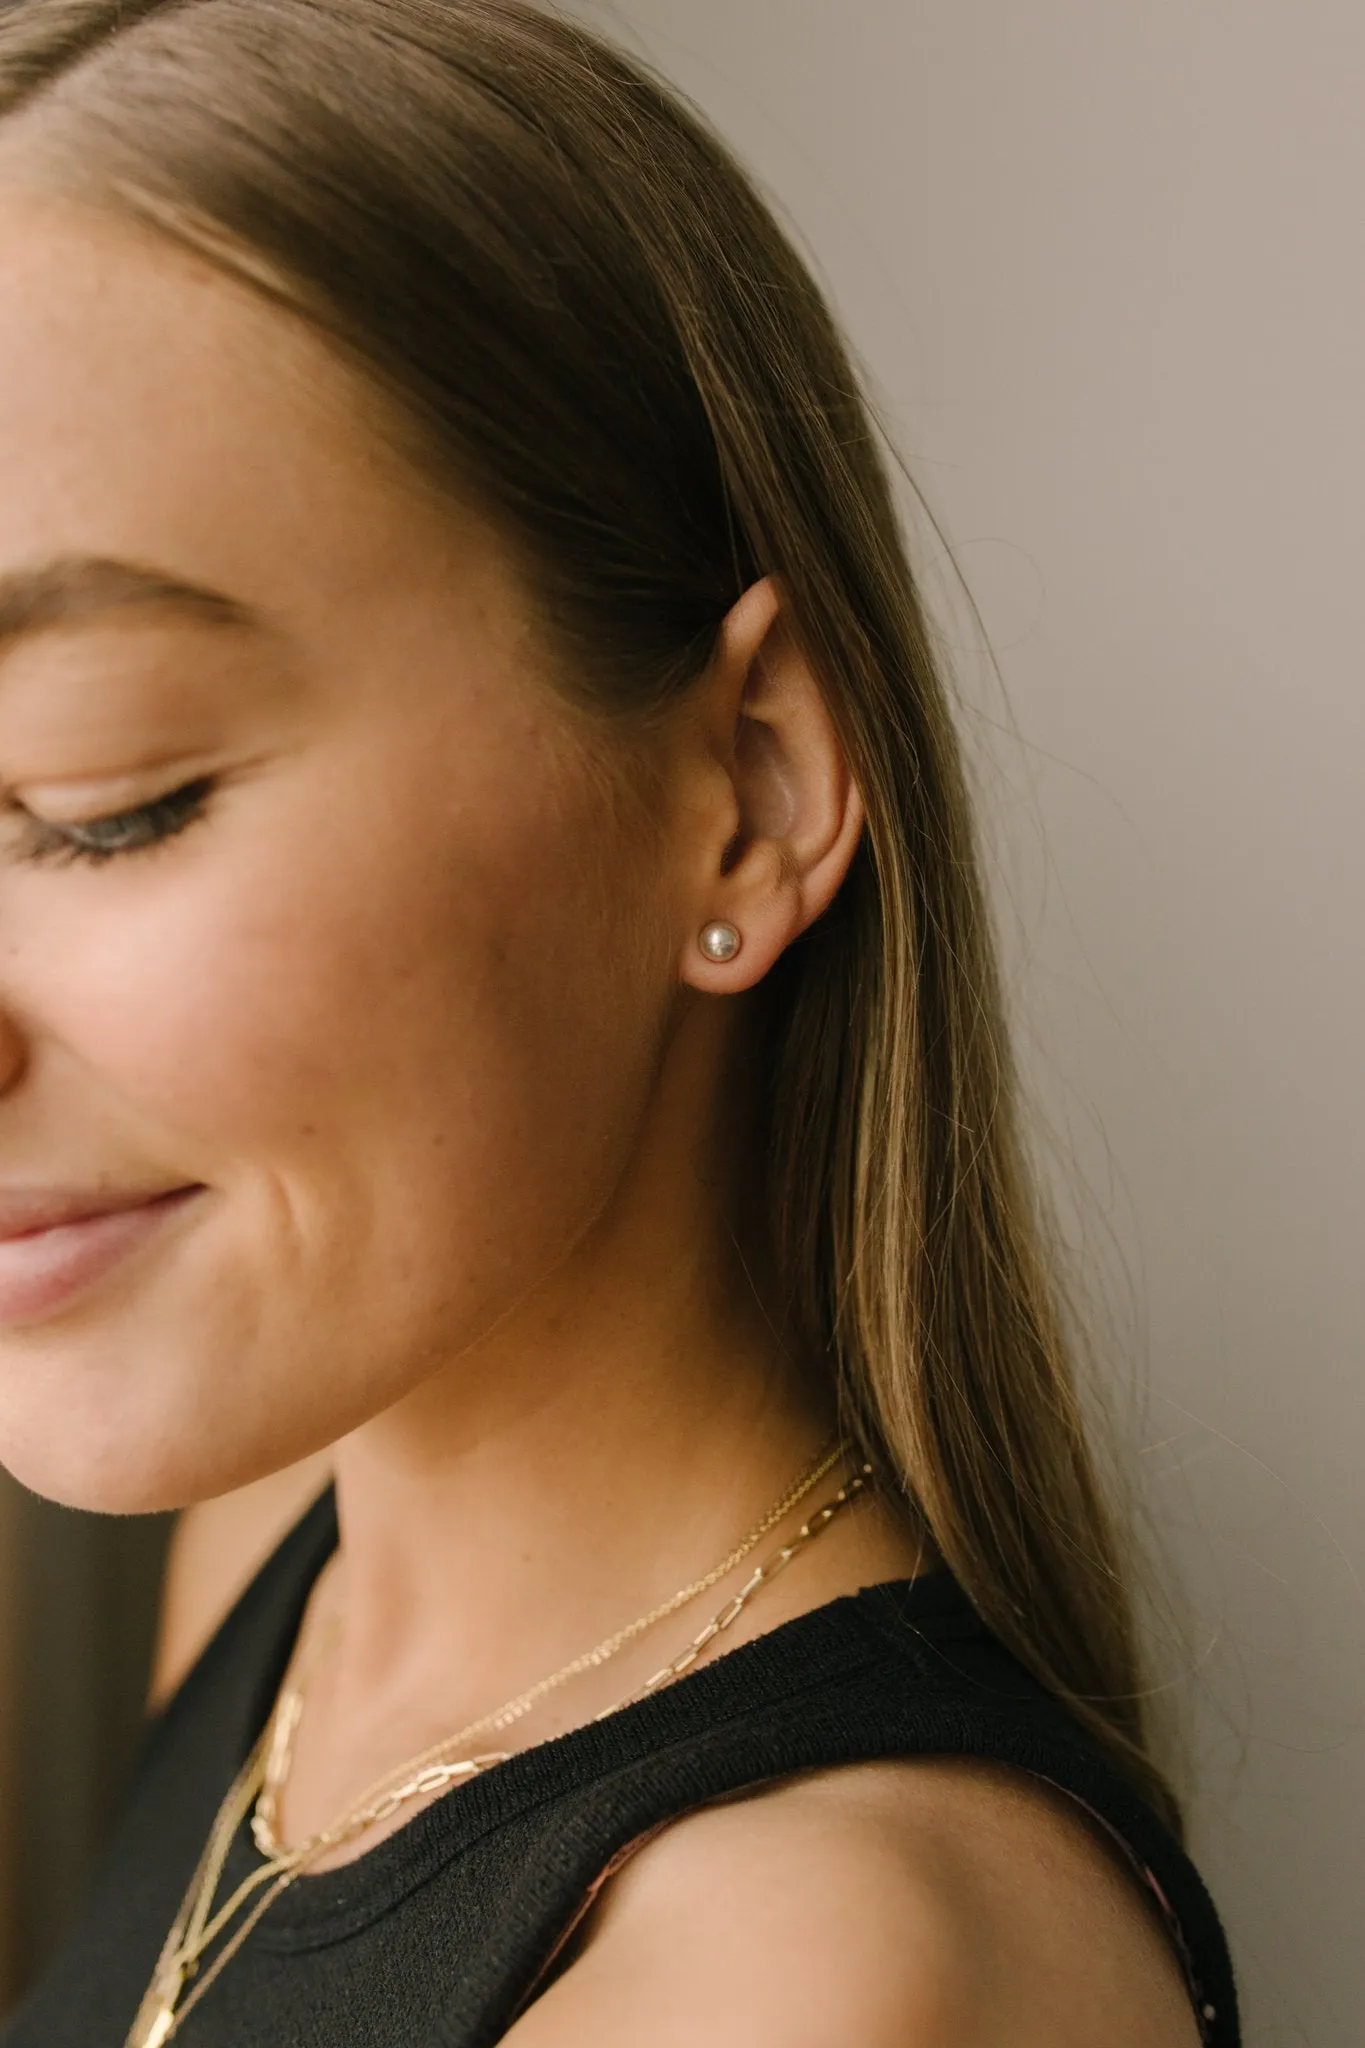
point(289, 1708)
point(197, 1926)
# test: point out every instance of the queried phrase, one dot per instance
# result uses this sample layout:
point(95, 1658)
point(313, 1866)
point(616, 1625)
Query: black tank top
point(440, 1935)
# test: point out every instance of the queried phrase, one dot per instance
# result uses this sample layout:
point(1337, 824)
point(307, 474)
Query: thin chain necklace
point(256, 1788)
point(289, 1709)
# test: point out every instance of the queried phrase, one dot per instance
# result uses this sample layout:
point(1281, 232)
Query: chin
point(116, 1449)
point(146, 1400)
point(102, 1477)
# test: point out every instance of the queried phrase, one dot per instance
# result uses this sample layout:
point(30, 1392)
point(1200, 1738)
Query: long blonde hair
point(597, 329)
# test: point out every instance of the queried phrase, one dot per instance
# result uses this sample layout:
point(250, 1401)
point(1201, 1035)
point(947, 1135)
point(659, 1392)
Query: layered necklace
point(185, 1970)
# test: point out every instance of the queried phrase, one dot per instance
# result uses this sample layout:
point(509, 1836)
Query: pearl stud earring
point(720, 942)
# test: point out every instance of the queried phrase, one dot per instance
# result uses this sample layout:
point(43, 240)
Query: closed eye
point(120, 832)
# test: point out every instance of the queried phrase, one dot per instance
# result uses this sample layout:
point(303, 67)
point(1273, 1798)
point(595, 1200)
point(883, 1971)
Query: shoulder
point(935, 1904)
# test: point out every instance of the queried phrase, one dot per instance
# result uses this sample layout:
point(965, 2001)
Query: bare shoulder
point(935, 1904)
point(217, 1547)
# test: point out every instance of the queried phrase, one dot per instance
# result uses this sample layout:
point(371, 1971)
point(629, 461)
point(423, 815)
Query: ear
point(781, 815)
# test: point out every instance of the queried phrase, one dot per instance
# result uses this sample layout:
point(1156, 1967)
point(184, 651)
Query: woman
point(495, 982)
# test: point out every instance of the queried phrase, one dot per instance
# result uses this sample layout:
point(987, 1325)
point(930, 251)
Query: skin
point(418, 1006)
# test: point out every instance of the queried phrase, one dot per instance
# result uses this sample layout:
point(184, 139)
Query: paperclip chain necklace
point(257, 1786)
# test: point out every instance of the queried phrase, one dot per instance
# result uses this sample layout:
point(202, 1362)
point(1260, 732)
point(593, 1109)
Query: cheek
point(411, 1067)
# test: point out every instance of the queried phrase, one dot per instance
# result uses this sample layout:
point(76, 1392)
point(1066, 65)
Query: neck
point(538, 1496)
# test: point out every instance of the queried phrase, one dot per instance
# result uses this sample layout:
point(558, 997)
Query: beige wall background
point(1106, 265)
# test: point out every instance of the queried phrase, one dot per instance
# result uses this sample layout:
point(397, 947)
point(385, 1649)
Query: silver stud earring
point(720, 942)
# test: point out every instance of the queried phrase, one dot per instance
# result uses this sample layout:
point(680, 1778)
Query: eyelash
point(143, 827)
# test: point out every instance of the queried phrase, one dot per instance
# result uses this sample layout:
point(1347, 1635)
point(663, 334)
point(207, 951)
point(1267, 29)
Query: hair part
point(601, 337)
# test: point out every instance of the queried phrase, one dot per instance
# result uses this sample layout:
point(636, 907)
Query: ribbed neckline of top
point(794, 1657)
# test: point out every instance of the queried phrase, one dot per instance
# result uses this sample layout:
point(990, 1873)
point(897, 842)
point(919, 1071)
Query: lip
point(57, 1243)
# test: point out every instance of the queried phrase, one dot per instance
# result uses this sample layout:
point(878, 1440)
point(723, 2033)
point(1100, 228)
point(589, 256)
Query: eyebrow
point(76, 589)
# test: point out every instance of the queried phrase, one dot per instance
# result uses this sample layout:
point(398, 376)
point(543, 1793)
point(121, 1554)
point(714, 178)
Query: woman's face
point(376, 1004)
